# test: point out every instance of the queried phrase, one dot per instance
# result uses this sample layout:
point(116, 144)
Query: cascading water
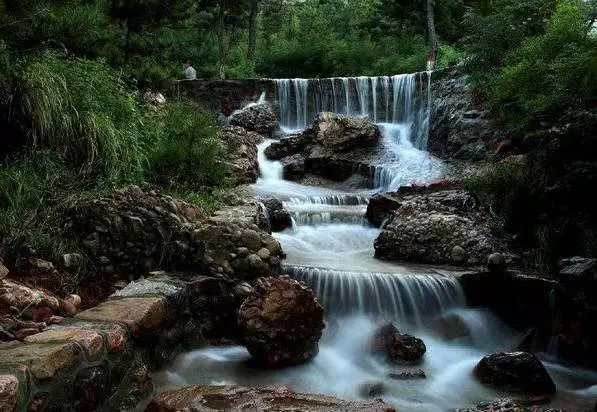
point(330, 247)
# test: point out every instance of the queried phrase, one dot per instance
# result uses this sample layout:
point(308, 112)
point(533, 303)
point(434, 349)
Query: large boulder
point(444, 227)
point(279, 218)
point(287, 145)
point(242, 153)
point(259, 118)
point(335, 147)
point(344, 133)
point(135, 231)
point(518, 372)
point(237, 398)
point(397, 347)
point(460, 127)
point(281, 322)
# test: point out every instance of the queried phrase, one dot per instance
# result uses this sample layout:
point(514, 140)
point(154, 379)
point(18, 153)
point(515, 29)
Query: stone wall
point(216, 95)
point(100, 359)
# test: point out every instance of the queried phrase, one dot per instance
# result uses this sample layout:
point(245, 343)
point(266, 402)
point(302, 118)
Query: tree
point(432, 35)
point(254, 10)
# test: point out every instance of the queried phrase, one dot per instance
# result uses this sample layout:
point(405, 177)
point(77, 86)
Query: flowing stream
point(330, 247)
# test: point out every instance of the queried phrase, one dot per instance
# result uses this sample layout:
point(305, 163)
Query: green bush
point(186, 150)
point(81, 110)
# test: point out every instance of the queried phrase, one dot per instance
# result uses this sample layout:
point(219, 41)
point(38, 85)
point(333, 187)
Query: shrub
point(186, 150)
point(81, 110)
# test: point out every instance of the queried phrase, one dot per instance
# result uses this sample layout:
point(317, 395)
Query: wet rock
point(372, 389)
point(408, 375)
point(236, 398)
point(443, 227)
point(579, 270)
point(133, 231)
point(258, 118)
point(344, 133)
point(279, 217)
point(91, 387)
point(516, 372)
point(281, 322)
point(91, 341)
point(397, 347)
point(242, 157)
point(293, 167)
point(288, 145)
point(380, 208)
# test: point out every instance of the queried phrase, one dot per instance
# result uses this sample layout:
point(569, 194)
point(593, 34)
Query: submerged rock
point(258, 118)
point(238, 398)
point(281, 322)
point(396, 346)
point(515, 372)
point(451, 326)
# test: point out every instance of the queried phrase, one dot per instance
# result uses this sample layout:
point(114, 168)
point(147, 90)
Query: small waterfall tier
point(402, 297)
point(399, 99)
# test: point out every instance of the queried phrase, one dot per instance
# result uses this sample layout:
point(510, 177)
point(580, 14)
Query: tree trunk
point(221, 41)
point(252, 30)
point(431, 58)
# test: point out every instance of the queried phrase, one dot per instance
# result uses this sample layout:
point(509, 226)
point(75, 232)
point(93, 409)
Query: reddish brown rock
point(91, 341)
point(281, 322)
point(236, 398)
point(142, 315)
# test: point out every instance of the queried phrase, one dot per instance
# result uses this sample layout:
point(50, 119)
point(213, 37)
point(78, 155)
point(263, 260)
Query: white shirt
point(190, 73)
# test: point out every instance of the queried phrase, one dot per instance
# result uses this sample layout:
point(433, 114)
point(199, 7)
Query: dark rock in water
point(293, 167)
point(281, 322)
point(237, 398)
point(496, 263)
point(371, 389)
point(451, 326)
point(288, 145)
point(242, 159)
point(528, 297)
point(509, 405)
point(397, 347)
point(258, 118)
point(279, 217)
point(444, 227)
point(380, 208)
point(516, 372)
point(343, 133)
point(408, 375)
point(326, 164)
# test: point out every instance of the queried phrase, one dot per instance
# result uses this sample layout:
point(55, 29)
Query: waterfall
point(394, 100)
point(403, 297)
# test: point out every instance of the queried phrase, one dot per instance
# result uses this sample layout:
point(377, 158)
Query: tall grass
point(81, 110)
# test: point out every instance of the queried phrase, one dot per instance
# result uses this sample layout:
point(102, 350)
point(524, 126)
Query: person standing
point(189, 72)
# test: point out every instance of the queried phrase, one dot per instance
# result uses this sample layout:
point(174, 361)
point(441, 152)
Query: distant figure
point(189, 72)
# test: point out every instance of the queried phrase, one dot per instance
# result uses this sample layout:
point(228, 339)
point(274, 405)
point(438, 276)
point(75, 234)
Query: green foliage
point(82, 110)
point(550, 74)
point(186, 149)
